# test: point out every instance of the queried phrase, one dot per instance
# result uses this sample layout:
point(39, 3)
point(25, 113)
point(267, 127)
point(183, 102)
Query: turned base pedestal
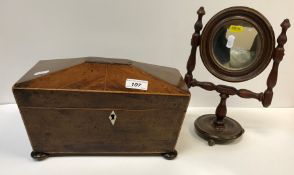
point(207, 129)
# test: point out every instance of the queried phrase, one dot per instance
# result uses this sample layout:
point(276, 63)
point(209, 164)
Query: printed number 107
point(136, 84)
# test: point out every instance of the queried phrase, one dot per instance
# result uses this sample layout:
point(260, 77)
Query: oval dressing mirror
point(237, 44)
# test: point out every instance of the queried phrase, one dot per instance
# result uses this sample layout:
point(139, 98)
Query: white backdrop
point(151, 31)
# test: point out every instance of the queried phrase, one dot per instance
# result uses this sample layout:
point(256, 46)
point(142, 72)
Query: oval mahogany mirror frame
point(234, 15)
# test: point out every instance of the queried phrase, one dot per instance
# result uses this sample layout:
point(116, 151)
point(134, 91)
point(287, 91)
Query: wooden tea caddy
point(81, 106)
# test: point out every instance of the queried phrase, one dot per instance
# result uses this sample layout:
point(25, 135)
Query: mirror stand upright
point(218, 128)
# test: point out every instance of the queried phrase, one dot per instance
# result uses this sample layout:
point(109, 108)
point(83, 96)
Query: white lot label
point(137, 84)
point(42, 72)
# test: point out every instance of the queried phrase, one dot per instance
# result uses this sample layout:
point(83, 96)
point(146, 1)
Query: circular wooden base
point(206, 129)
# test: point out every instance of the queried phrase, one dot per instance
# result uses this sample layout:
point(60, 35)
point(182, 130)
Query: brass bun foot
point(39, 155)
point(207, 129)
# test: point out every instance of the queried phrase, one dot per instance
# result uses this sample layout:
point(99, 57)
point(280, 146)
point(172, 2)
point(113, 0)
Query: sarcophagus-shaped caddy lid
point(102, 75)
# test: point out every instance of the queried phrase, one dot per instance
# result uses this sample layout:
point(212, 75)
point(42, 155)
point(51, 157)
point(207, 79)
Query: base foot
point(206, 129)
point(170, 155)
point(211, 142)
point(39, 155)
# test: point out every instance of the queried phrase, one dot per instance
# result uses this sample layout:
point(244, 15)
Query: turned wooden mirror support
point(218, 128)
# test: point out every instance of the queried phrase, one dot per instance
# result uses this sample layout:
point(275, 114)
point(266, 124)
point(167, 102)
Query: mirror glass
point(235, 45)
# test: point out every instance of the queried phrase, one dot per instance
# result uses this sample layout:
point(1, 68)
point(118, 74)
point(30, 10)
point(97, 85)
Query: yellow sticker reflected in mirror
point(234, 28)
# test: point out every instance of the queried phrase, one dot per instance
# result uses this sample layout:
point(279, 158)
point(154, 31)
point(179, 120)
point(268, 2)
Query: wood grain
point(66, 112)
